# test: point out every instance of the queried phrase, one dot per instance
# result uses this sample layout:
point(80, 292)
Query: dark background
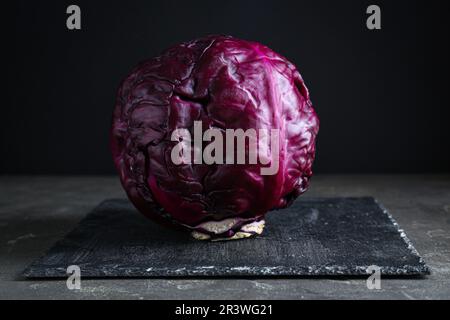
point(382, 96)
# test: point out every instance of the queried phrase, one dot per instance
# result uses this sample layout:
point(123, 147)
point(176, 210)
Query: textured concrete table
point(37, 211)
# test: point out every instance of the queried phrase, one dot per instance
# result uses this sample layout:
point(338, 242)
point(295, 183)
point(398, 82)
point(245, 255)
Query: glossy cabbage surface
point(226, 83)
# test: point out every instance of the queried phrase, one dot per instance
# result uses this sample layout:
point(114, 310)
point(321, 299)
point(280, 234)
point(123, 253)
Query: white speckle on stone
point(261, 285)
point(24, 237)
point(240, 268)
point(438, 233)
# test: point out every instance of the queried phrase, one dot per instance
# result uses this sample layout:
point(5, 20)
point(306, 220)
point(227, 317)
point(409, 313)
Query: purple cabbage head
point(226, 83)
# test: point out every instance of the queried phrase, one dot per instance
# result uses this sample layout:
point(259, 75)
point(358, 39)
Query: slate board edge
point(423, 266)
point(32, 272)
point(313, 271)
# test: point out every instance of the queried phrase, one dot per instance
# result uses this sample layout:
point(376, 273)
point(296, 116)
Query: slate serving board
point(314, 237)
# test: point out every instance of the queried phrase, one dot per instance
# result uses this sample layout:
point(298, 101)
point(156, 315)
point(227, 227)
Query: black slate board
point(314, 237)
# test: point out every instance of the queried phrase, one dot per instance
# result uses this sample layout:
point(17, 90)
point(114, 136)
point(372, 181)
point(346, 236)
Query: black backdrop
point(382, 96)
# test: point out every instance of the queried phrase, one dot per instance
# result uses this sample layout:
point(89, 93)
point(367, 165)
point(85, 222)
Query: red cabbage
point(225, 83)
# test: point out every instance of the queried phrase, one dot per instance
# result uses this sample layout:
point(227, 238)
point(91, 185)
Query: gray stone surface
point(37, 211)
